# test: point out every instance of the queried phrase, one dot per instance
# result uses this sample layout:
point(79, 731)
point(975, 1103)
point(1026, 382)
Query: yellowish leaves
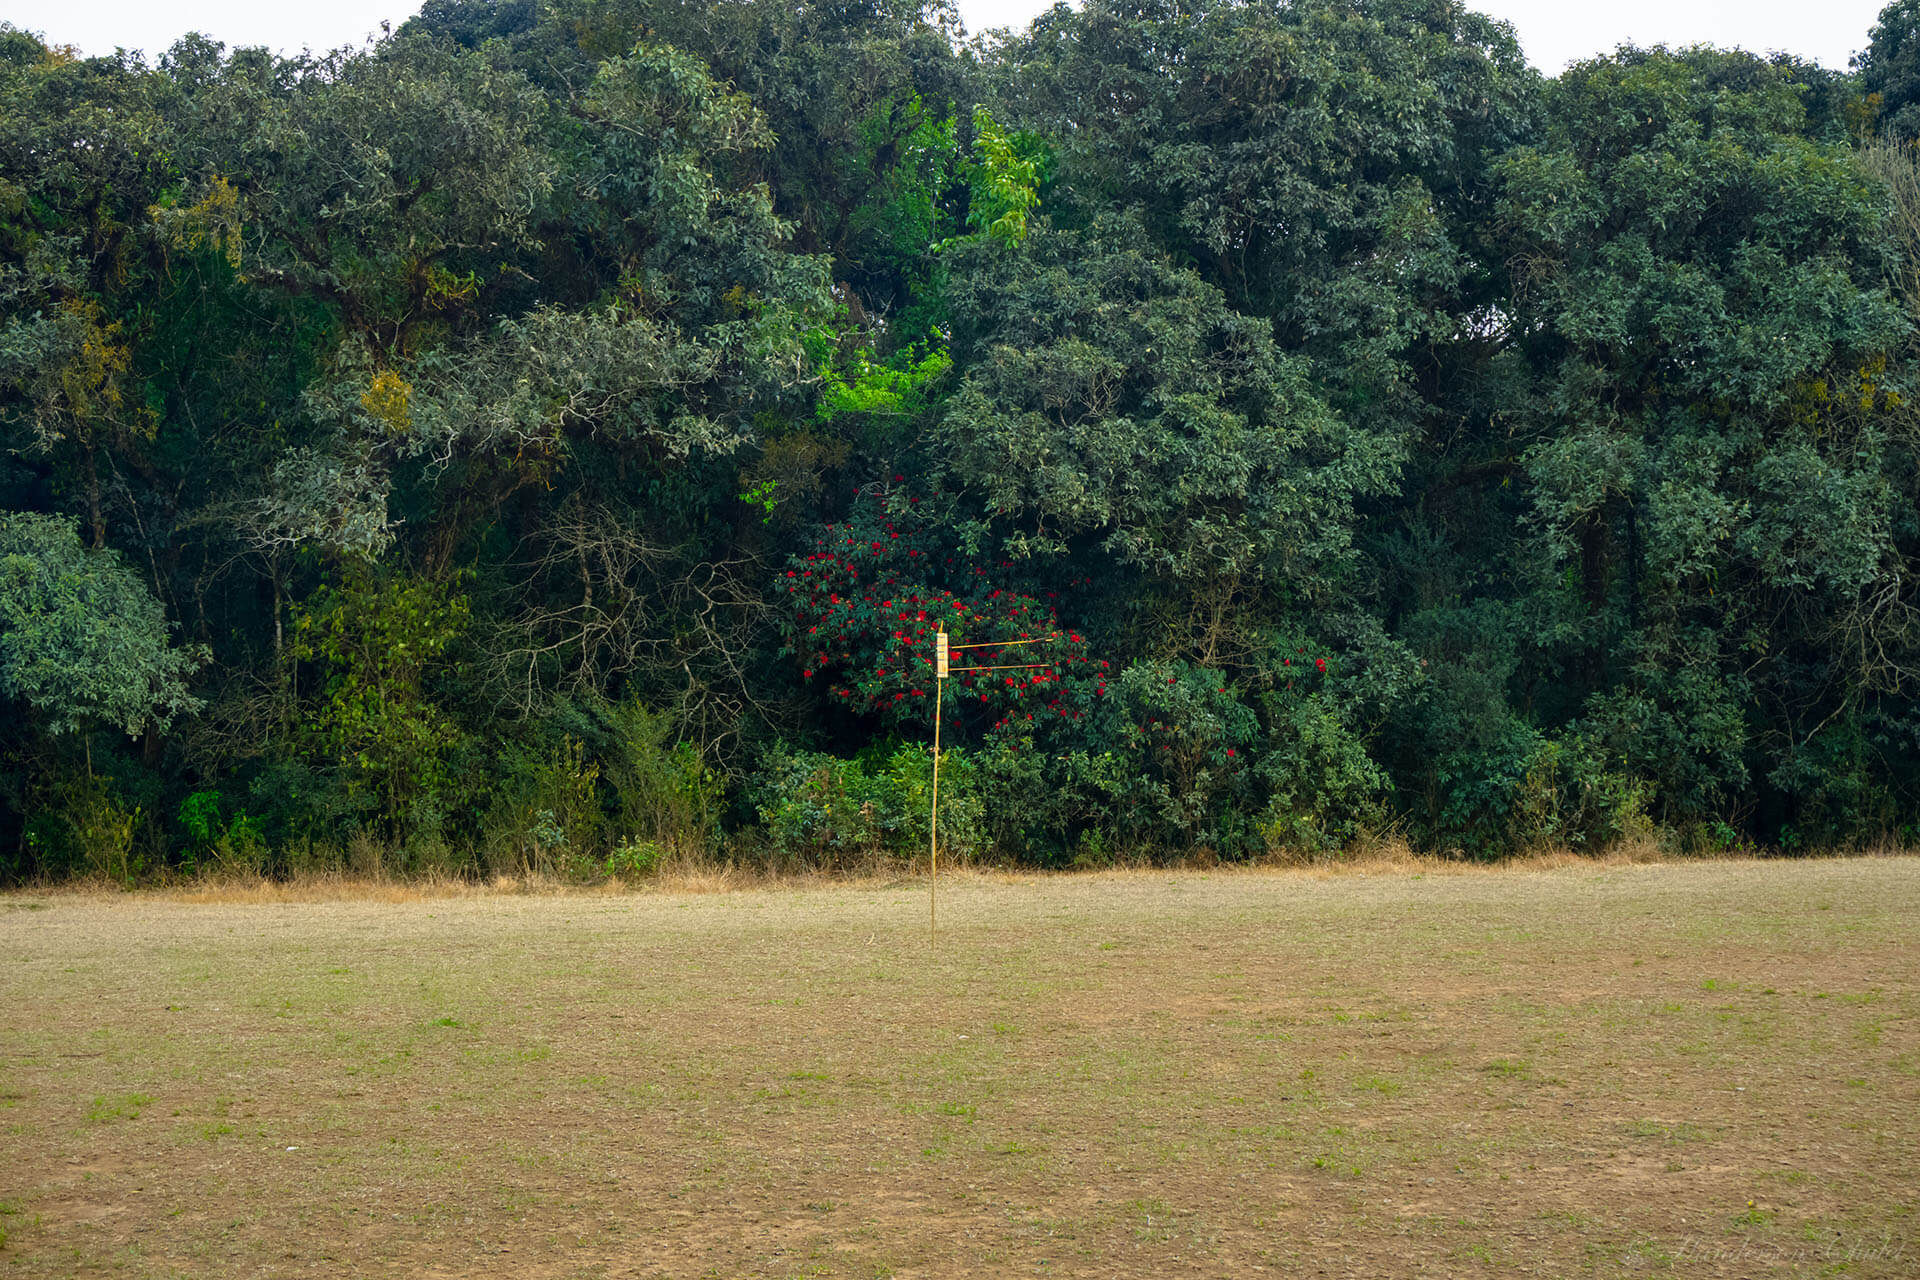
point(75, 389)
point(1815, 404)
point(213, 220)
point(90, 381)
point(386, 398)
point(445, 288)
point(1870, 375)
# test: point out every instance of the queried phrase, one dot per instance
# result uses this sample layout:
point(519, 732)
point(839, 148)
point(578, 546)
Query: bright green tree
point(83, 643)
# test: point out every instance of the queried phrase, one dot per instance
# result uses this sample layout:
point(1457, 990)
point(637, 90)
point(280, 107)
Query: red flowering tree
point(865, 603)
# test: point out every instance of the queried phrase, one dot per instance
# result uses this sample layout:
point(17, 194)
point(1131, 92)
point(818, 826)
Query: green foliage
point(84, 829)
point(82, 641)
point(306, 814)
point(544, 819)
point(1321, 163)
point(1004, 178)
point(634, 859)
point(656, 789)
point(514, 427)
point(214, 842)
point(200, 816)
point(913, 155)
point(1709, 320)
point(1051, 805)
point(1183, 743)
point(370, 178)
point(1111, 400)
point(1322, 786)
point(377, 640)
point(823, 811)
point(900, 386)
point(1889, 69)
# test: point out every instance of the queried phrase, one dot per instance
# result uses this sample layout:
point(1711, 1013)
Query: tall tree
point(1716, 461)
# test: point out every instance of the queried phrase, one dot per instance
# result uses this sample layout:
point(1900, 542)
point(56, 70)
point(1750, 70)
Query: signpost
point(942, 649)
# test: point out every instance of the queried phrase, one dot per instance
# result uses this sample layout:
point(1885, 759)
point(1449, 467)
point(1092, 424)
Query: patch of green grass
point(1683, 1131)
point(1153, 1220)
point(107, 1108)
point(1334, 1162)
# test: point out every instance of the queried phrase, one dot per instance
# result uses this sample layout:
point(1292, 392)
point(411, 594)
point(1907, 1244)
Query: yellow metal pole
point(933, 819)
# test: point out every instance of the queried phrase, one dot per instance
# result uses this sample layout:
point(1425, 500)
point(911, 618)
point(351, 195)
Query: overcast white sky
point(1553, 32)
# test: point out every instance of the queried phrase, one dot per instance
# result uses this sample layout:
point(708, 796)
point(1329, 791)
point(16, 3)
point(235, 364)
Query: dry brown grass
point(1394, 1069)
point(1369, 856)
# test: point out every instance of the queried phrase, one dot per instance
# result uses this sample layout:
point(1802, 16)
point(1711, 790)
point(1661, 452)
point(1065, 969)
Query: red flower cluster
point(1319, 664)
point(863, 608)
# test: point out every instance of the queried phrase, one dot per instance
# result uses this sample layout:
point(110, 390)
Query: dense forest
point(549, 438)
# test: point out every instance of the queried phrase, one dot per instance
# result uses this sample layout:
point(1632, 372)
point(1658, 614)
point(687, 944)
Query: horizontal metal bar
point(1009, 666)
point(1001, 644)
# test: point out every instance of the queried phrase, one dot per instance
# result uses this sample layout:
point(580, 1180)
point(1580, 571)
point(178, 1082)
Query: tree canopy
point(559, 430)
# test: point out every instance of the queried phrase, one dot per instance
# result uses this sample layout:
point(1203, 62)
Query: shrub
point(84, 829)
point(656, 793)
point(634, 859)
point(309, 814)
point(651, 788)
point(1532, 791)
point(1181, 746)
point(378, 640)
point(1047, 802)
point(546, 816)
point(65, 610)
point(211, 841)
point(862, 611)
point(1322, 786)
point(1837, 780)
point(825, 811)
point(1569, 797)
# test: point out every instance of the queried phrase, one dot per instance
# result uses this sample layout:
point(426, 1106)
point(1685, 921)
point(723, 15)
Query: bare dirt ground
point(1691, 1070)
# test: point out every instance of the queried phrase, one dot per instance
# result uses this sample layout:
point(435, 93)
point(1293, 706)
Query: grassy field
point(1689, 1070)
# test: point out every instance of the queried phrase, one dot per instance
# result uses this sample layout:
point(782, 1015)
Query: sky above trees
point(1551, 32)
